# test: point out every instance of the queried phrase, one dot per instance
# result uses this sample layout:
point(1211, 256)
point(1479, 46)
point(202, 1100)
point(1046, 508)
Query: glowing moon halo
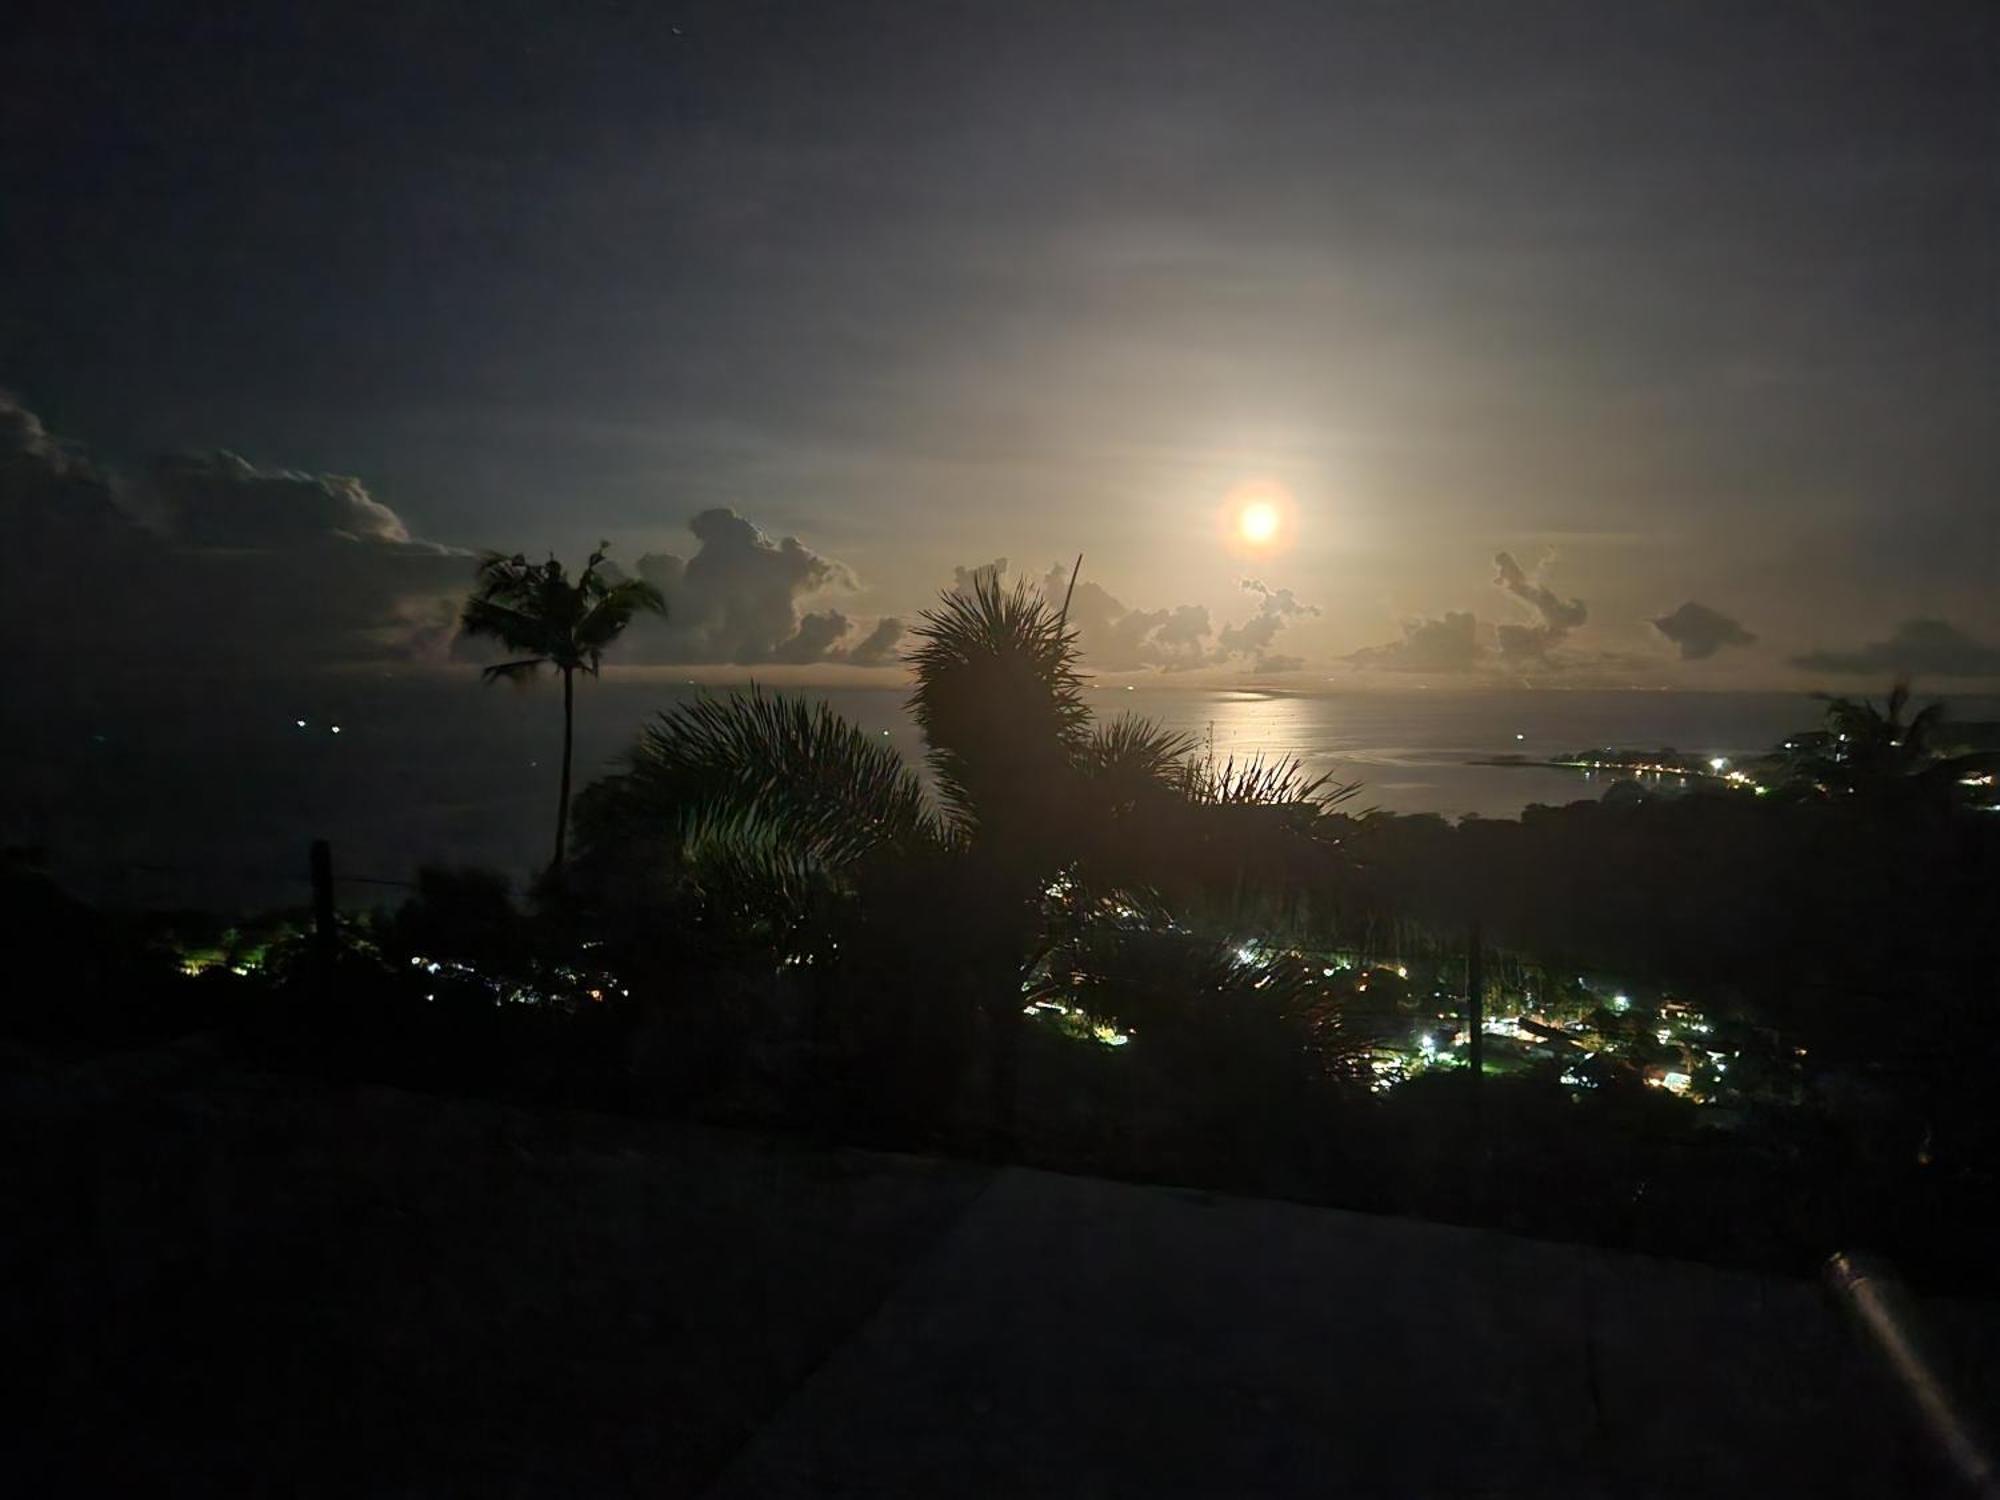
point(1258, 518)
point(1258, 523)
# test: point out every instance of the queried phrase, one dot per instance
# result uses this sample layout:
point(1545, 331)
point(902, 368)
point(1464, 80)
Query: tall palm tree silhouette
point(535, 609)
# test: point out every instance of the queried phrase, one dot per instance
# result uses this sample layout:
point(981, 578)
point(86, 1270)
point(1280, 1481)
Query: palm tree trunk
point(569, 724)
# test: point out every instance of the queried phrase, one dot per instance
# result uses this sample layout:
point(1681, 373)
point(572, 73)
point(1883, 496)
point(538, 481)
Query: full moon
point(1259, 522)
point(1258, 518)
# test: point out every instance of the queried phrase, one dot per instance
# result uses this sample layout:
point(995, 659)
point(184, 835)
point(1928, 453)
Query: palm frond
point(1899, 699)
point(1922, 727)
point(1869, 752)
point(806, 775)
point(766, 808)
point(514, 628)
point(747, 874)
point(514, 671)
point(612, 609)
point(534, 607)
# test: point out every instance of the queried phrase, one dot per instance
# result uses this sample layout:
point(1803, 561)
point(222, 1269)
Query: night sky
point(1590, 343)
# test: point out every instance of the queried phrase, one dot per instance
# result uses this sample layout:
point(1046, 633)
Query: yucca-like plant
point(535, 609)
point(1000, 704)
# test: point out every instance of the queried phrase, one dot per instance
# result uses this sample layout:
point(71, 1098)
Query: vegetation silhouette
point(1876, 757)
point(768, 824)
point(535, 609)
point(1089, 945)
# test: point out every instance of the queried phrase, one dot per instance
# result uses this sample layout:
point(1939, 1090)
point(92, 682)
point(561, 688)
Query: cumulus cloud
point(1700, 632)
point(1185, 627)
point(738, 599)
point(51, 495)
point(1115, 637)
point(816, 635)
point(1252, 639)
point(1557, 612)
point(220, 500)
point(250, 569)
point(32, 458)
point(1457, 642)
point(1556, 616)
point(1915, 648)
point(964, 580)
point(878, 647)
point(1445, 645)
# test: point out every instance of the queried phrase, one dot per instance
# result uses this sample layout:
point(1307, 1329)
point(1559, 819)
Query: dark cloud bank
point(1457, 643)
point(240, 568)
point(236, 568)
point(1700, 632)
point(1916, 648)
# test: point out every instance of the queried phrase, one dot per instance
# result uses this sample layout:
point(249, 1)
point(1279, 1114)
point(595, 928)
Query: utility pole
point(322, 888)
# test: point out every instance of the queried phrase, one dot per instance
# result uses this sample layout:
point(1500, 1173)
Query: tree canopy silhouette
point(1878, 759)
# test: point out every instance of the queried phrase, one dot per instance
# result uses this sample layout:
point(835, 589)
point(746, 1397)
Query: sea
point(211, 799)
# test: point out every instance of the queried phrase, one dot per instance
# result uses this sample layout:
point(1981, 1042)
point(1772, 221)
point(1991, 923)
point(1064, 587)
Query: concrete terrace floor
point(229, 1283)
point(1085, 1338)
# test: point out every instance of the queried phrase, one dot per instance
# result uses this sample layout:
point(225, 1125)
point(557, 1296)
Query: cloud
point(250, 570)
point(220, 500)
point(878, 647)
point(1446, 645)
point(963, 580)
point(35, 464)
point(815, 637)
point(300, 568)
point(1557, 616)
point(737, 599)
point(1700, 632)
point(70, 559)
point(1557, 612)
point(1456, 641)
point(819, 637)
point(1114, 637)
point(1252, 639)
point(1185, 626)
point(1916, 647)
point(247, 568)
